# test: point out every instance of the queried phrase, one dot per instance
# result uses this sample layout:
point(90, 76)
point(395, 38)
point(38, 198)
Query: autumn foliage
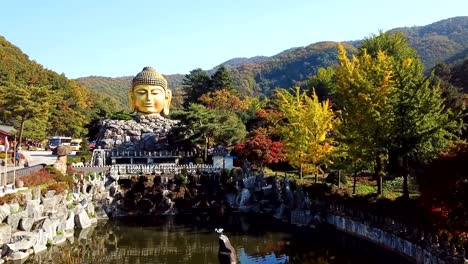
point(50, 177)
point(222, 100)
point(42, 176)
point(444, 188)
point(260, 149)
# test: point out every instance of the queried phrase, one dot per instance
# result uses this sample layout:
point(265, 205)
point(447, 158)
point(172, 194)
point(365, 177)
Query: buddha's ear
point(167, 104)
point(131, 103)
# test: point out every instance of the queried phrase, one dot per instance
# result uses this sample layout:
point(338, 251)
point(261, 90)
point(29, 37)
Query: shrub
point(59, 187)
point(7, 198)
point(333, 178)
point(81, 156)
point(318, 190)
point(181, 177)
point(121, 116)
point(52, 170)
point(40, 177)
point(66, 179)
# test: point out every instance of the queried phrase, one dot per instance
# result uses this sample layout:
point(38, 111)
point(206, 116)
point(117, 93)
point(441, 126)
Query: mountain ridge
point(441, 41)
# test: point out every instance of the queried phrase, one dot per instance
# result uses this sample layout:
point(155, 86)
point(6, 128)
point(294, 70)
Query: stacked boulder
point(32, 221)
point(143, 133)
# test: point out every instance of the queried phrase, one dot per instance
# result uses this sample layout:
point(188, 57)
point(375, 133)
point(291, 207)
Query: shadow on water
point(190, 239)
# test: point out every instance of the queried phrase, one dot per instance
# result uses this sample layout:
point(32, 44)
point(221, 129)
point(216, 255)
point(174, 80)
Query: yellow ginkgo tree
point(305, 129)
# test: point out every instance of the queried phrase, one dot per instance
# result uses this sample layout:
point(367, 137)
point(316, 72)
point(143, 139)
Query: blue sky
point(118, 38)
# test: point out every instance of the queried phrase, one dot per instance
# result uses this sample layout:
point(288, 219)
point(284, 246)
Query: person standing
point(17, 158)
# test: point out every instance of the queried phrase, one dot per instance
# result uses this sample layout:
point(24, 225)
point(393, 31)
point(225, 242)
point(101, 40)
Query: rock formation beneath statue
point(143, 133)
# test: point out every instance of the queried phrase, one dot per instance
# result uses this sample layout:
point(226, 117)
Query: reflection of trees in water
point(78, 249)
point(161, 244)
point(193, 240)
point(116, 243)
point(160, 241)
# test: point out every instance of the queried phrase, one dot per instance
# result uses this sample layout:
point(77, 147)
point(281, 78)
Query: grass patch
point(81, 156)
point(362, 189)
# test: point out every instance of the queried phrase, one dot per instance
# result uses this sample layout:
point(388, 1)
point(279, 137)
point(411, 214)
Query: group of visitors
point(24, 157)
point(19, 157)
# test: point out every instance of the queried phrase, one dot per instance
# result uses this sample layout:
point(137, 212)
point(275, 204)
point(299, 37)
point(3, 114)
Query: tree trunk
point(378, 175)
point(21, 133)
point(300, 172)
point(205, 155)
point(316, 177)
point(339, 178)
point(354, 182)
point(405, 178)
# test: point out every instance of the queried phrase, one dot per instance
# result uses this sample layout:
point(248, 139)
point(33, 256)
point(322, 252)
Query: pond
point(188, 239)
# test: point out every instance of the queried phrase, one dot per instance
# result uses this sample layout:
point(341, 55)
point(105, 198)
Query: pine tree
point(25, 102)
point(222, 79)
point(196, 83)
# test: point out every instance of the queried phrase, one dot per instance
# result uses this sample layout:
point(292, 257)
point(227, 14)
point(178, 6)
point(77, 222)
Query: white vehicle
point(54, 142)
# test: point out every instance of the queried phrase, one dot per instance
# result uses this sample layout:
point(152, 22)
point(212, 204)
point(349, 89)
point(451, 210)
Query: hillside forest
point(392, 106)
point(393, 103)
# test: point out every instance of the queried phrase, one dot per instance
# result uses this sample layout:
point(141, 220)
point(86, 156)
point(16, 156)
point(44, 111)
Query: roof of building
point(6, 129)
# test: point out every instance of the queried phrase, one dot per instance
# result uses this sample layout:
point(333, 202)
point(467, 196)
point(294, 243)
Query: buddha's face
point(149, 99)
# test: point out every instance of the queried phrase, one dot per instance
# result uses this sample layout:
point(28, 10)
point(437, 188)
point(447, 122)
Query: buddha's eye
point(155, 92)
point(141, 92)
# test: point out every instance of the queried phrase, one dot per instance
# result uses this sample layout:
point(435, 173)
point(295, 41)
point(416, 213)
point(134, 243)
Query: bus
point(56, 141)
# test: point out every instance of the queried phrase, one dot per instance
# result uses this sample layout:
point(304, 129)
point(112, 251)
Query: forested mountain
point(238, 62)
point(446, 40)
point(39, 102)
point(443, 41)
point(118, 87)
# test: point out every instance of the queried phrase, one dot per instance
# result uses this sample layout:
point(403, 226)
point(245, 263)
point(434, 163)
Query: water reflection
point(193, 240)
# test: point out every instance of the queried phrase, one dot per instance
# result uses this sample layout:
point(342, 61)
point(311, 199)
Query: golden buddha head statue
point(149, 93)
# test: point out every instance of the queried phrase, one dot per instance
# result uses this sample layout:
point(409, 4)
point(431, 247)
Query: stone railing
point(163, 153)
point(157, 169)
point(163, 168)
point(89, 169)
point(410, 241)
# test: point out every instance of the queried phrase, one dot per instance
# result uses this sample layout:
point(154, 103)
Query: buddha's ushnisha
point(149, 94)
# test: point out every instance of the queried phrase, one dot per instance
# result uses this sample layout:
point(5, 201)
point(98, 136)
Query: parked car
point(92, 145)
point(75, 144)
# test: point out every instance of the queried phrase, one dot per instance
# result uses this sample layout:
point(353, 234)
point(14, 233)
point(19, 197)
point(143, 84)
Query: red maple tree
point(260, 149)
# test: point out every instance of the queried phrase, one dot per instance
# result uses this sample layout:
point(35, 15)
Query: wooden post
point(5, 173)
point(14, 167)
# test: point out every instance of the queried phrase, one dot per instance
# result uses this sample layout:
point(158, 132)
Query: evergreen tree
point(222, 79)
point(422, 127)
point(196, 83)
point(204, 128)
point(25, 102)
point(393, 44)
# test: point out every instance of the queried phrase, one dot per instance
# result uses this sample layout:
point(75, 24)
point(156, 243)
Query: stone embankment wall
point(417, 253)
point(33, 221)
